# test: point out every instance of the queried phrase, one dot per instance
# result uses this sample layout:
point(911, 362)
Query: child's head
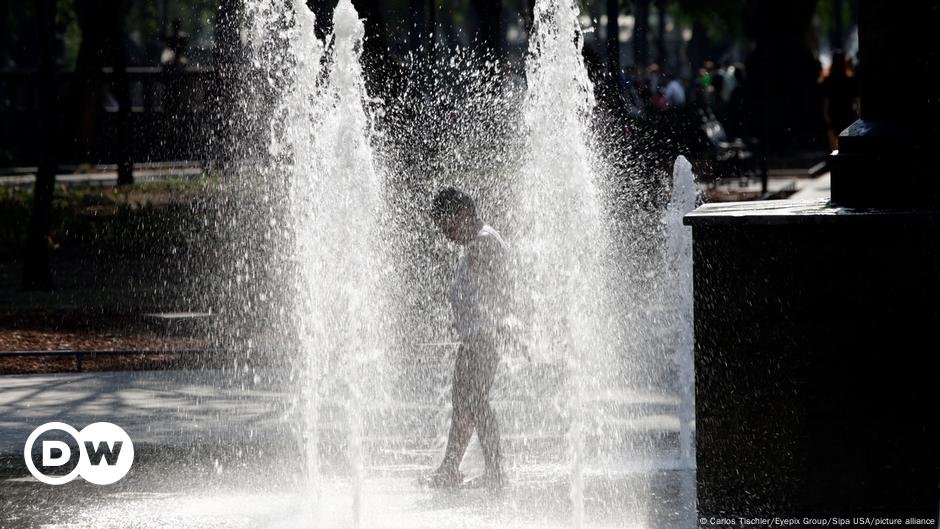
point(455, 214)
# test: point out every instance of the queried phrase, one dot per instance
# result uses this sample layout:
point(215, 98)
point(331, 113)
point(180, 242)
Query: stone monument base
point(817, 360)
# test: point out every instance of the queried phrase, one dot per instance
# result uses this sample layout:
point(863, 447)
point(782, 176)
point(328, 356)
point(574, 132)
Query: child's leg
point(461, 422)
point(484, 417)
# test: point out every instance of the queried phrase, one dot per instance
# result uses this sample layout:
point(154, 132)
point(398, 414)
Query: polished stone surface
point(815, 372)
point(790, 212)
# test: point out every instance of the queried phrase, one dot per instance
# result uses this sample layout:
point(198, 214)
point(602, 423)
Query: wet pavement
point(216, 450)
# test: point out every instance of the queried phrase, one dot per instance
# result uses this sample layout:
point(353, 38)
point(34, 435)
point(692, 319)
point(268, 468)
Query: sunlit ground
point(650, 499)
point(214, 453)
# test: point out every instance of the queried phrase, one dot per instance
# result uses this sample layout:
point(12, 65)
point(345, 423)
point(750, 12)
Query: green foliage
point(721, 18)
point(826, 15)
point(67, 25)
point(145, 18)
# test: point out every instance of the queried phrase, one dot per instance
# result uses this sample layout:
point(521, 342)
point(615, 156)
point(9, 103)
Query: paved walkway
point(160, 407)
point(794, 184)
point(186, 407)
point(205, 460)
point(815, 189)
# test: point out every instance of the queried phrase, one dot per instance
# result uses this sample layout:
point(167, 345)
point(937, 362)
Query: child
point(478, 299)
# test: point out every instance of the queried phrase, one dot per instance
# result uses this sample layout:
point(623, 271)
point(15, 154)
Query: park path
point(206, 407)
point(160, 407)
point(186, 421)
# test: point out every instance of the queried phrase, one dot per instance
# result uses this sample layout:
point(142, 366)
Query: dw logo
point(101, 453)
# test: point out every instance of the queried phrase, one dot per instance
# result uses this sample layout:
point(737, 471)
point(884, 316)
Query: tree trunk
point(101, 24)
point(836, 36)
point(613, 39)
point(783, 68)
point(124, 139)
point(85, 93)
point(697, 48)
point(37, 274)
point(225, 56)
point(489, 35)
point(641, 30)
point(661, 54)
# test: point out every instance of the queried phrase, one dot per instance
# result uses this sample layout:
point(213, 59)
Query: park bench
point(723, 156)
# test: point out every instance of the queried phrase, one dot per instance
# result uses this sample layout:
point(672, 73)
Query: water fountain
point(320, 137)
point(562, 234)
point(354, 390)
point(678, 255)
point(561, 238)
point(679, 259)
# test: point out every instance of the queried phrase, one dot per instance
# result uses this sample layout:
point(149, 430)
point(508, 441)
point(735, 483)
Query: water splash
point(678, 264)
point(321, 133)
point(562, 232)
point(332, 166)
point(678, 255)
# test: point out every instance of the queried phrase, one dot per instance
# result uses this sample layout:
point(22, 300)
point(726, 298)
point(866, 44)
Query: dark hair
point(449, 201)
